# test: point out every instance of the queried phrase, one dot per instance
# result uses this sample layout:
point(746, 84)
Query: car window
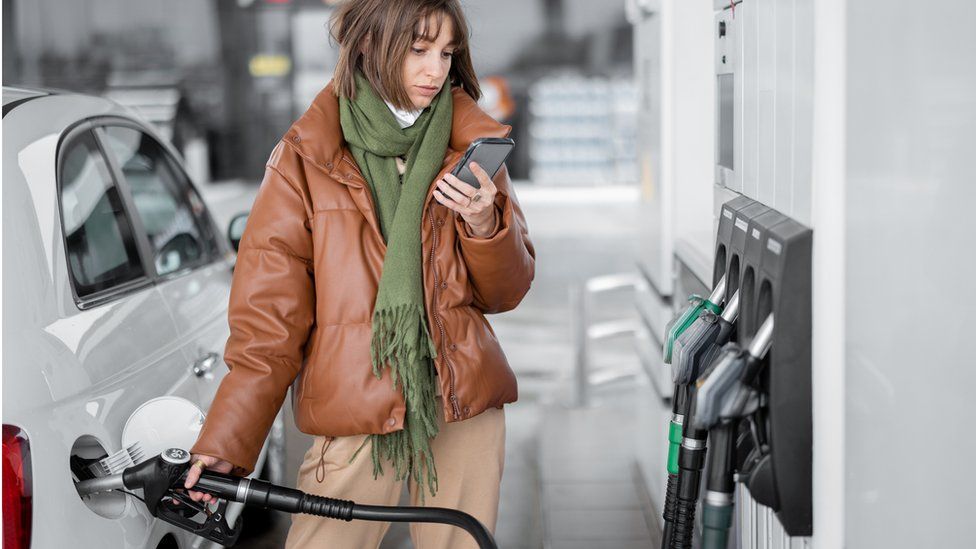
point(101, 249)
point(171, 213)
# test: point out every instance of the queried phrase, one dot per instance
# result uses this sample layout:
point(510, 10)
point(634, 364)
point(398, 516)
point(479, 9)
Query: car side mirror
point(236, 229)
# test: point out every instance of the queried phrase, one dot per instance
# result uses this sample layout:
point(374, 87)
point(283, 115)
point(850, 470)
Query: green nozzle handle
point(677, 326)
point(681, 323)
point(716, 520)
point(674, 445)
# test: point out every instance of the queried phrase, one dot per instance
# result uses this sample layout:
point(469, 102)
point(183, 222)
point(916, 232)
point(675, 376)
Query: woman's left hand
point(476, 206)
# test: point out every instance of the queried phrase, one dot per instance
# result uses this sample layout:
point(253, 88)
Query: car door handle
point(205, 363)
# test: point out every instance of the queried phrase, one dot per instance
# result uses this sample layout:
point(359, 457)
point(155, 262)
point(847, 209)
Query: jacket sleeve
point(271, 312)
point(501, 266)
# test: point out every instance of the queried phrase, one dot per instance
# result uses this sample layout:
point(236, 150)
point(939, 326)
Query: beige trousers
point(469, 456)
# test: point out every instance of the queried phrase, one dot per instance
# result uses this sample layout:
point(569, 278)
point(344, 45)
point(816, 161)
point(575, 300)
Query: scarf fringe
point(399, 339)
point(400, 342)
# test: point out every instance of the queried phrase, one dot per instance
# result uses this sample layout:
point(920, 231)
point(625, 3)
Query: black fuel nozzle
point(161, 481)
point(725, 394)
point(726, 391)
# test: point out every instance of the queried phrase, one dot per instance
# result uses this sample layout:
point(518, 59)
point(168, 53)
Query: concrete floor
point(569, 475)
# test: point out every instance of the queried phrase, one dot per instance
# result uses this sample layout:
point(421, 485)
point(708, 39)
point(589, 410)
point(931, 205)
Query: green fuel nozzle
point(675, 328)
point(696, 343)
point(697, 304)
point(692, 351)
point(681, 400)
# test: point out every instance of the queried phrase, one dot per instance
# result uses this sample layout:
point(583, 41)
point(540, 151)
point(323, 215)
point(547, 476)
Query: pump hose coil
point(670, 509)
point(326, 507)
point(671, 498)
point(684, 524)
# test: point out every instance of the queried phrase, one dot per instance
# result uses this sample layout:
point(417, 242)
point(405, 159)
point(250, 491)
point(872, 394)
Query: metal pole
point(578, 303)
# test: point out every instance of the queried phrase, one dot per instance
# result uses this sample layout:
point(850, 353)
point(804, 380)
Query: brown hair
point(374, 36)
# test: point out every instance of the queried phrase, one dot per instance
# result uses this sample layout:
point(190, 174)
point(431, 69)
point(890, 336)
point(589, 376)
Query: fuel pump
point(161, 480)
point(726, 393)
point(690, 352)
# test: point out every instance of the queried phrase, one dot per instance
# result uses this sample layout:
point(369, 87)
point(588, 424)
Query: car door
point(120, 331)
point(94, 338)
point(121, 322)
point(192, 266)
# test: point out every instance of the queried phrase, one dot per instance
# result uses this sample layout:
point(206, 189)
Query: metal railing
point(583, 298)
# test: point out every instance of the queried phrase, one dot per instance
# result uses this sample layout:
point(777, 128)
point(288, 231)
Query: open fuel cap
point(161, 425)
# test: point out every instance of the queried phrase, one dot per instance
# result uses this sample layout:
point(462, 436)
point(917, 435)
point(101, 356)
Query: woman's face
point(427, 64)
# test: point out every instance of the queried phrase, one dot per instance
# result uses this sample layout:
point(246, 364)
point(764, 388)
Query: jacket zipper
point(451, 395)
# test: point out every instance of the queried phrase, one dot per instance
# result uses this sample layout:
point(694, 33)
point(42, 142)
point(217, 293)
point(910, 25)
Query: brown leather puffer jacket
point(305, 282)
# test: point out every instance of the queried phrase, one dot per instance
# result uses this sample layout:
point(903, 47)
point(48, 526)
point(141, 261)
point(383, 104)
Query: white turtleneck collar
point(403, 117)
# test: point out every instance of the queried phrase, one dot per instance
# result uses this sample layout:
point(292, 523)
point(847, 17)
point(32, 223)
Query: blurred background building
point(225, 78)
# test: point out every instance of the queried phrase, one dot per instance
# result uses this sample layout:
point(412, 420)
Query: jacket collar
point(317, 135)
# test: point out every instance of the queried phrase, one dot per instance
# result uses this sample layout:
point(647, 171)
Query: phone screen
point(489, 153)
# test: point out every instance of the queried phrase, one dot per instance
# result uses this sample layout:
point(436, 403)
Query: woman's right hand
point(211, 463)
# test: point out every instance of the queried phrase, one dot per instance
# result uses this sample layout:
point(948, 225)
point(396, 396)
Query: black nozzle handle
point(221, 485)
point(714, 389)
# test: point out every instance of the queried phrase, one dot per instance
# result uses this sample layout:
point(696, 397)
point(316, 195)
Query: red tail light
point(17, 502)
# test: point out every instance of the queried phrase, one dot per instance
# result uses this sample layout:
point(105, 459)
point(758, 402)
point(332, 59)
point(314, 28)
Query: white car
point(115, 291)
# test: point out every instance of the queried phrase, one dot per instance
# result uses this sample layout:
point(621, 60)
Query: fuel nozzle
point(704, 333)
point(725, 393)
point(692, 346)
point(161, 480)
point(726, 390)
point(691, 352)
point(160, 477)
point(696, 304)
point(675, 329)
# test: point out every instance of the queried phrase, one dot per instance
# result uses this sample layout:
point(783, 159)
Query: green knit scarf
point(401, 340)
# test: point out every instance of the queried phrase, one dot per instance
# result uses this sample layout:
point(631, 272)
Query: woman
point(362, 282)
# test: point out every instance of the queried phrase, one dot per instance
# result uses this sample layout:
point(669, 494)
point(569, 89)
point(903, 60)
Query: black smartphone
point(489, 152)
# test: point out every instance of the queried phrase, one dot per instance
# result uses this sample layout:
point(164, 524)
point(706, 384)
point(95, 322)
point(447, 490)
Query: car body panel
point(71, 372)
point(202, 327)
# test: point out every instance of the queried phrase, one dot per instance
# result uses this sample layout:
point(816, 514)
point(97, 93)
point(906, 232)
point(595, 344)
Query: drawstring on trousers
point(320, 477)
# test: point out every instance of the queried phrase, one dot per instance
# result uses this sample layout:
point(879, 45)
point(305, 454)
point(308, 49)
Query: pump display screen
point(726, 102)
